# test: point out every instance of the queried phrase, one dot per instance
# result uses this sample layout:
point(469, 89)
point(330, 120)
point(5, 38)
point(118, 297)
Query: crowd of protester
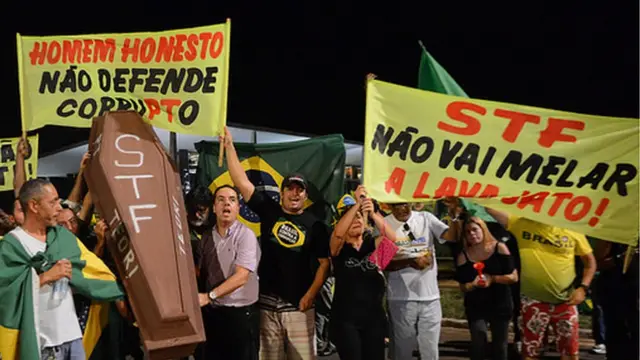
point(260, 294)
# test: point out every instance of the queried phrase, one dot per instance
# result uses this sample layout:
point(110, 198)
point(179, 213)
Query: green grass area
point(452, 303)
point(446, 268)
point(585, 321)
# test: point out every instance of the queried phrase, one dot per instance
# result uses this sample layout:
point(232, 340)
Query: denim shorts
point(72, 350)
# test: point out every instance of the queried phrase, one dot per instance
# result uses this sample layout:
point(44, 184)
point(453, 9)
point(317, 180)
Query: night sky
point(302, 68)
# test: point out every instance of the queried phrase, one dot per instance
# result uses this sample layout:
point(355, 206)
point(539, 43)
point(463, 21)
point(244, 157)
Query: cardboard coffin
point(137, 191)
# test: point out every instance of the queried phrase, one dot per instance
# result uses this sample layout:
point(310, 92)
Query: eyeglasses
point(399, 205)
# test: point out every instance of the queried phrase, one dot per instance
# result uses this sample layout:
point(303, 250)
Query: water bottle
point(60, 288)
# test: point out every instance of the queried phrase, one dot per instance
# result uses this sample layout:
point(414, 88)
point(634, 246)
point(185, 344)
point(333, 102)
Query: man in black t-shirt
point(294, 263)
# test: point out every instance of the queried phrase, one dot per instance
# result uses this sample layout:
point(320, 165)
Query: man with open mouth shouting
point(294, 265)
point(230, 255)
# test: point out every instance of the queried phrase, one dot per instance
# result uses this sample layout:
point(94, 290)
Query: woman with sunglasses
point(358, 318)
point(487, 297)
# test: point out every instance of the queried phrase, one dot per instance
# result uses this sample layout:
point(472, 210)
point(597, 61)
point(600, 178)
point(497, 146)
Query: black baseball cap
point(295, 178)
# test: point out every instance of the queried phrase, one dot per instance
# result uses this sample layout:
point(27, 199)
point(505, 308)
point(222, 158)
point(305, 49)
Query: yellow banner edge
point(225, 94)
point(632, 235)
point(140, 33)
point(498, 103)
point(227, 29)
point(23, 126)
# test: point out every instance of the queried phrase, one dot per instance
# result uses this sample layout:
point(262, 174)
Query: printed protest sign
point(8, 155)
point(573, 171)
point(177, 80)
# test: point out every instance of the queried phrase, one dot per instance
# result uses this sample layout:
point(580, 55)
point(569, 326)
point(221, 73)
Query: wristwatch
point(586, 288)
point(212, 295)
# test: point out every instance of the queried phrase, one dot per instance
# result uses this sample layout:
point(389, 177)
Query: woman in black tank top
point(357, 316)
point(487, 299)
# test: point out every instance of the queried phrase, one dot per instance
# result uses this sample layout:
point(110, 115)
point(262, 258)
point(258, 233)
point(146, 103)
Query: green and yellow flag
point(19, 286)
point(320, 160)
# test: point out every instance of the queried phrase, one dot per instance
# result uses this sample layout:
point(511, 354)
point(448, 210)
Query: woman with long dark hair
point(358, 317)
point(487, 298)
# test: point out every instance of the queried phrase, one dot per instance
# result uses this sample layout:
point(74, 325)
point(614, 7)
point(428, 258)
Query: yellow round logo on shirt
point(265, 178)
point(288, 234)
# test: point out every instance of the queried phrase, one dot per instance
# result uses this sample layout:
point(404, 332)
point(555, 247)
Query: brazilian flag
point(19, 287)
point(320, 160)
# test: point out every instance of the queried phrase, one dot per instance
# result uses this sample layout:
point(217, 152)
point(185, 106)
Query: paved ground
point(454, 342)
point(454, 345)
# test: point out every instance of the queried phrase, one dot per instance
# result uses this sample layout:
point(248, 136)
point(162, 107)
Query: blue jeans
point(72, 350)
point(597, 324)
point(598, 328)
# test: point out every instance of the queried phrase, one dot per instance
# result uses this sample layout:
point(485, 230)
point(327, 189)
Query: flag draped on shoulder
point(19, 287)
point(320, 159)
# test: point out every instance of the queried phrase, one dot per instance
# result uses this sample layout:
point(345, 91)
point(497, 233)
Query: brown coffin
point(138, 193)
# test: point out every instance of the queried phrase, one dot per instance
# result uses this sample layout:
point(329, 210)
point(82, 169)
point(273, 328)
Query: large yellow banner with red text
point(177, 80)
point(574, 171)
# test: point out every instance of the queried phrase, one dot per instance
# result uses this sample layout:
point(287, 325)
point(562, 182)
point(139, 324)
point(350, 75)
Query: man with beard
point(413, 295)
point(230, 256)
point(294, 265)
point(200, 216)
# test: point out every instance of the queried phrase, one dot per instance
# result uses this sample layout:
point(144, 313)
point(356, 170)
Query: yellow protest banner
point(176, 79)
point(574, 171)
point(8, 155)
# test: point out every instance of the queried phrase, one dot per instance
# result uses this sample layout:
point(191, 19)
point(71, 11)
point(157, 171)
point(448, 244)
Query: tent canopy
point(67, 161)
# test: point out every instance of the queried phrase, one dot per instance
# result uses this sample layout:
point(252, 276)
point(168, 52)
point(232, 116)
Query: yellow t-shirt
point(547, 256)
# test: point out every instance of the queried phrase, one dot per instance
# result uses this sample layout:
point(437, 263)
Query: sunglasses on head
point(406, 228)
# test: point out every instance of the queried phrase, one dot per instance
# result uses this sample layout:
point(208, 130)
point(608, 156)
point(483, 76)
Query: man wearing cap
point(294, 263)
point(413, 295)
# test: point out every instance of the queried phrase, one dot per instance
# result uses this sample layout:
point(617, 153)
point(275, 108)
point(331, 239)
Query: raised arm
point(85, 212)
point(238, 175)
point(501, 217)
point(20, 175)
point(101, 236)
point(337, 236)
point(385, 230)
point(455, 210)
point(452, 234)
point(76, 193)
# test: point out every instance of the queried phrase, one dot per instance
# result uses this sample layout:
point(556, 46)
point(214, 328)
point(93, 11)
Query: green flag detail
point(433, 77)
point(19, 287)
point(320, 160)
